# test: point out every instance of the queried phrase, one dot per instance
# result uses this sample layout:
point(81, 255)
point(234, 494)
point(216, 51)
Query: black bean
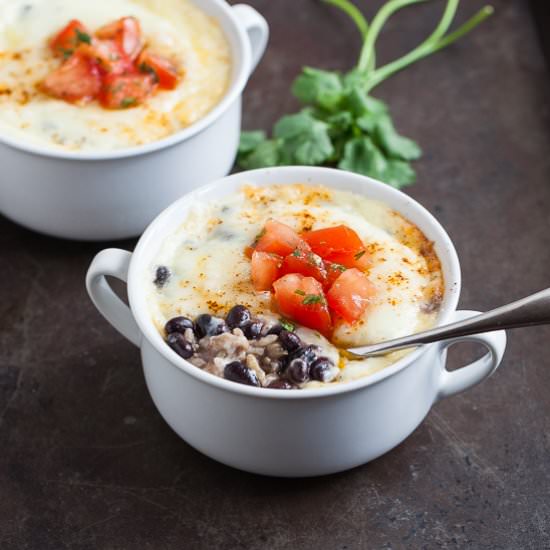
point(322, 369)
point(282, 366)
point(297, 371)
point(236, 371)
point(180, 345)
point(275, 329)
point(238, 317)
point(178, 324)
point(253, 330)
point(161, 276)
point(208, 325)
point(280, 384)
point(289, 340)
point(308, 353)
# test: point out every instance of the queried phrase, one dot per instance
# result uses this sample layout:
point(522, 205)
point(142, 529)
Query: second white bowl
point(114, 195)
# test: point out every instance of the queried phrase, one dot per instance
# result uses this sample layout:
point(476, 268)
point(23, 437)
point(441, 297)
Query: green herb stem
point(358, 18)
point(430, 45)
point(386, 11)
point(353, 13)
point(444, 23)
point(473, 22)
point(341, 124)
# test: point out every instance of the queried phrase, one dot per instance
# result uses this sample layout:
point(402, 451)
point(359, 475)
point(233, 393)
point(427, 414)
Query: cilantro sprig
point(341, 124)
point(286, 324)
point(310, 299)
point(83, 37)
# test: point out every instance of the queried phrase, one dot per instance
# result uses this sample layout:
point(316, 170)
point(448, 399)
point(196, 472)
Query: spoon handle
point(530, 311)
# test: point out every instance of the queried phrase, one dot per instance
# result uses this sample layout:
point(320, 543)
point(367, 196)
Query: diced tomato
point(334, 271)
point(340, 238)
point(77, 79)
point(126, 32)
point(340, 245)
point(359, 259)
point(265, 269)
point(125, 91)
point(278, 238)
point(69, 38)
point(304, 262)
point(108, 55)
point(109, 30)
point(350, 294)
point(164, 71)
point(302, 299)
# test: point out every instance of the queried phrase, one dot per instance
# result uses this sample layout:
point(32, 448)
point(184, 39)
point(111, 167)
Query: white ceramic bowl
point(114, 195)
point(277, 432)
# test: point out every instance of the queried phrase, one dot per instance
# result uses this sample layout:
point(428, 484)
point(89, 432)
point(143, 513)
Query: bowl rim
point(242, 64)
point(143, 318)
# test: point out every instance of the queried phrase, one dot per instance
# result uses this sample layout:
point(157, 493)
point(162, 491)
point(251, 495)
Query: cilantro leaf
point(362, 156)
point(360, 104)
point(311, 299)
point(315, 150)
point(399, 174)
point(338, 267)
point(304, 139)
point(250, 140)
point(322, 88)
point(287, 325)
point(128, 102)
point(291, 126)
point(83, 36)
point(368, 122)
point(392, 143)
point(265, 154)
point(66, 52)
point(339, 123)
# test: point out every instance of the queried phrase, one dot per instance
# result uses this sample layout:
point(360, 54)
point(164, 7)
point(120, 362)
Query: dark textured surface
point(86, 460)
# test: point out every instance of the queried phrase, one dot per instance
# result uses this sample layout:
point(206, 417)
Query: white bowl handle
point(257, 29)
point(114, 262)
point(461, 379)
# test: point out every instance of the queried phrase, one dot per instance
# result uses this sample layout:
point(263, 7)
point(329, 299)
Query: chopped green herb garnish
point(260, 235)
point(145, 68)
point(66, 52)
point(341, 124)
point(315, 260)
point(83, 36)
point(287, 325)
point(128, 102)
point(359, 255)
point(296, 253)
point(300, 292)
point(311, 299)
point(338, 267)
point(257, 238)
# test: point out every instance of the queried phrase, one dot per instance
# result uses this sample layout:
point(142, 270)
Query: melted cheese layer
point(175, 28)
point(210, 272)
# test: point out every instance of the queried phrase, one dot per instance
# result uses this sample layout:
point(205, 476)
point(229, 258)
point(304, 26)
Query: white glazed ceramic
point(114, 195)
point(277, 432)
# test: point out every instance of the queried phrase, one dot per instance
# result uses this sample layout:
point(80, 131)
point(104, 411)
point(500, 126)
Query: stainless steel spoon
point(530, 311)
